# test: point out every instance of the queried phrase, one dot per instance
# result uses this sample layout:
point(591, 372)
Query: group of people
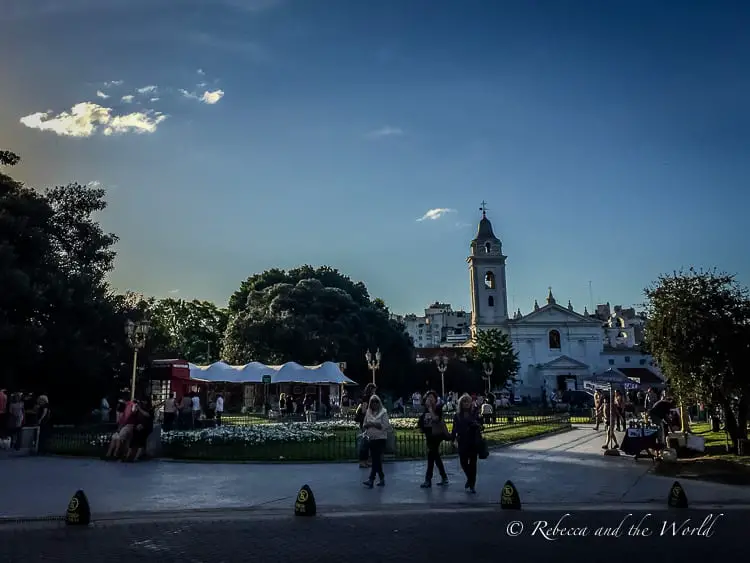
point(20, 409)
point(655, 405)
point(465, 435)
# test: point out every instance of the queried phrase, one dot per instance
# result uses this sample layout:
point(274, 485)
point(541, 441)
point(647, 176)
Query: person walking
point(219, 408)
point(466, 435)
point(376, 427)
point(359, 418)
point(598, 405)
point(435, 431)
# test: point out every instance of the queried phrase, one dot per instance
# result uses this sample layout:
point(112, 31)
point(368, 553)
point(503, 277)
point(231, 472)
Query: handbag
point(390, 442)
point(363, 447)
point(483, 451)
point(440, 430)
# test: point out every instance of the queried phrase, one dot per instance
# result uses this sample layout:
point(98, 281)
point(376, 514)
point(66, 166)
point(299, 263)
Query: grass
point(714, 465)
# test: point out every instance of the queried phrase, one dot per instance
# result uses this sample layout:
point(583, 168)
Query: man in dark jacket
point(435, 431)
point(659, 414)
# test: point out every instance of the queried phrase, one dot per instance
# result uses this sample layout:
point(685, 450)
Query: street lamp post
point(442, 365)
point(136, 333)
point(373, 363)
point(488, 369)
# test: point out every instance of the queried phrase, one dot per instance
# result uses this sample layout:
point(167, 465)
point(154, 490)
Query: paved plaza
point(401, 537)
point(564, 469)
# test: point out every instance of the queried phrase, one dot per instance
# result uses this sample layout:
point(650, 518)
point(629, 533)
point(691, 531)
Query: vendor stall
point(263, 384)
point(640, 441)
point(611, 379)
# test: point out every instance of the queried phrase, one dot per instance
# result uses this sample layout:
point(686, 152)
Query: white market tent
point(291, 372)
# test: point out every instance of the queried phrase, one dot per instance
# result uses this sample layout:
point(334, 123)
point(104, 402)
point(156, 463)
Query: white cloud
point(201, 72)
point(112, 83)
point(212, 97)
point(102, 95)
point(173, 291)
point(127, 99)
point(386, 131)
point(207, 97)
point(154, 99)
point(85, 119)
point(434, 214)
point(95, 184)
point(146, 90)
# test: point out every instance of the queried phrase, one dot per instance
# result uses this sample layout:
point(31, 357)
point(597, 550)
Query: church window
point(643, 362)
point(627, 359)
point(491, 301)
point(487, 247)
point(489, 280)
point(611, 362)
point(554, 340)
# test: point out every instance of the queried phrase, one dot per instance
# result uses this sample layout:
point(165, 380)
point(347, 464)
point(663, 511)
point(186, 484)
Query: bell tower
point(489, 296)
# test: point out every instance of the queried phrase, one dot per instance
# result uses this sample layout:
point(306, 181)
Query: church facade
point(557, 347)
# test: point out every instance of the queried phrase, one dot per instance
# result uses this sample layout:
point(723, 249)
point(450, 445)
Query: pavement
point(409, 536)
point(566, 469)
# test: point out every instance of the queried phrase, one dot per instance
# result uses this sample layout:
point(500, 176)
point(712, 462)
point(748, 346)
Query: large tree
point(310, 315)
point(699, 333)
point(59, 327)
point(494, 346)
point(190, 330)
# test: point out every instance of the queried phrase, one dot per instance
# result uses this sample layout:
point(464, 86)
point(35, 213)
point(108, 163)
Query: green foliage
point(59, 327)
point(699, 333)
point(495, 346)
point(190, 330)
point(309, 316)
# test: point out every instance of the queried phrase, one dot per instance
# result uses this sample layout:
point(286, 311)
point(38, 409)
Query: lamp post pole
point(136, 333)
point(373, 363)
point(488, 369)
point(442, 366)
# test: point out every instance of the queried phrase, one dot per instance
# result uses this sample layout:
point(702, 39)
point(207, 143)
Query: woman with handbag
point(433, 427)
point(467, 435)
point(359, 418)
point(376, 427)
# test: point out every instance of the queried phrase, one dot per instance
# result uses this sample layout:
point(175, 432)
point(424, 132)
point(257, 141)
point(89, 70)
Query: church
point(558, 347)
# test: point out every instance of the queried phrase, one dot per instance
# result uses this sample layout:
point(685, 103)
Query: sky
point(610, 140)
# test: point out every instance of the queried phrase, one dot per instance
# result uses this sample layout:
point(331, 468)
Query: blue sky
point(611, 140)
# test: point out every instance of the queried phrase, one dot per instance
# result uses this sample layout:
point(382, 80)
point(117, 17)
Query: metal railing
point(335, 440)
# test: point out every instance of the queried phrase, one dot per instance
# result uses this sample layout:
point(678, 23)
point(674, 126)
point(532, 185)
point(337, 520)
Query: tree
point(190, 330)
point(495, 346)
point(59, 327)
point(699, 333)
point(312, 315)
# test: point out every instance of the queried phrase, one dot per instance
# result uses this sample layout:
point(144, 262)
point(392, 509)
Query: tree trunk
point(743, 408)
point(730, 423)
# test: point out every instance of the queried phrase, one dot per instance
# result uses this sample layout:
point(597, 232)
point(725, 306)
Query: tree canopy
point(699, 333)
point(310, 315)
point(494, 346)
point(59, 325)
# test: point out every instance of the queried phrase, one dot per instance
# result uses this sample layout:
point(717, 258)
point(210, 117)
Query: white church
point(558, 348)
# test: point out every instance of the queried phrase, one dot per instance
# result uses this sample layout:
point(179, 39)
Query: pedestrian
point(466, 435)
point(144, 425)
point(433, 427)
point(170, 412)
point(219, 408)
point(376, 427)
point(598, 406)
point(359, 418)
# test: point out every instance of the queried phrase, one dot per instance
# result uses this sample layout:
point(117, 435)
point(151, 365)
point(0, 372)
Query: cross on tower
point(483, 209)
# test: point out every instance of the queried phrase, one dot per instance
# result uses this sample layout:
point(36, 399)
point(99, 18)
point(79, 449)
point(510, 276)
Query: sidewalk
point(567, 468)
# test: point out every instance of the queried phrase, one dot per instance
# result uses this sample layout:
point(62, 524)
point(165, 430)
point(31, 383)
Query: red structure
point(170, 376)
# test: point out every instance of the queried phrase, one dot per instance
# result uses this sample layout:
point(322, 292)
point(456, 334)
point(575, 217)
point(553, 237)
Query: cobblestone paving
point(415, 537)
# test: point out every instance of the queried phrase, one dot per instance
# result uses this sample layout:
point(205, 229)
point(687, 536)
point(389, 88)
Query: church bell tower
point(489, 296)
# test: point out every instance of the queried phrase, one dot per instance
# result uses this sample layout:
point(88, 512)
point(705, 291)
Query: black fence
point(264, 441)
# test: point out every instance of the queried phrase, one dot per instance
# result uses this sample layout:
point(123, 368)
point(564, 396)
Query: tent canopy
point(291, 372)
point(610, 377)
